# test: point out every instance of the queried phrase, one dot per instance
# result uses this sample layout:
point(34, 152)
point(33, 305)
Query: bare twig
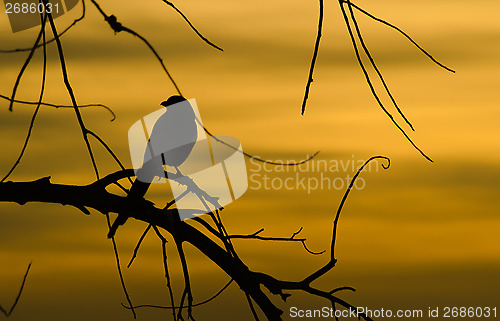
point(194, 304)
point(315, 55)
point(20, 289)
point(372, 62)
point(61, 106)
point(256, 236)
point(370, 85)
point(256, 158)
point(187, 283)
point(7, 314)
point(23, 68)
point(346, 194)
point(119, 268)
point(192, 27)
point(118, 27)
point(403, 33)
point(110, 151)
point(136, 249)
point(165, 268)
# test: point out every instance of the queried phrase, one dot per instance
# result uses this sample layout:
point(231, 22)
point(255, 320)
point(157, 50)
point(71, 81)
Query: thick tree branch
point(96, 197)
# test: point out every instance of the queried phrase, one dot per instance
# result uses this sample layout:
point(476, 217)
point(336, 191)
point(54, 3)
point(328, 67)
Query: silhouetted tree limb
point(95, 196)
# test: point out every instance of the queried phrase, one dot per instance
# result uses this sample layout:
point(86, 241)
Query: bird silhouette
point(172, 140)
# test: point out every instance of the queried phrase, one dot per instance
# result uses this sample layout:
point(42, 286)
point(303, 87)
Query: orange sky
point(419, 234)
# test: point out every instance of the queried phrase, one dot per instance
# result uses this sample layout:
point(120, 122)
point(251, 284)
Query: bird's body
point(172, 140)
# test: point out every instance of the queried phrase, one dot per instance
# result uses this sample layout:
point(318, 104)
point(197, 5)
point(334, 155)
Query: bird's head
point(172, 100)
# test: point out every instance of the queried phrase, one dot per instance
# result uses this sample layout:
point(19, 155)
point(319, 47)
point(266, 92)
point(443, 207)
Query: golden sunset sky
point(418, 235)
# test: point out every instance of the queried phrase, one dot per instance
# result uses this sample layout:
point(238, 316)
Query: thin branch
point(315, 55)
point(165, 268)
point(346, 194)
point(110, 151)
point(192, 27)
point(207, 225)
point(118, 27)
point(118, 266)
point(187, 283)
point(23, 68)
point(331, 263)
point(194, 304)
point(19, 293)
point(223, 231)
point(403, 33)
point(256, 158)
point(343, 288)
point(372, 61)
point(61, 106)
point(255, 236)
point(136, 249)
point(53, 39)
point(372, 89)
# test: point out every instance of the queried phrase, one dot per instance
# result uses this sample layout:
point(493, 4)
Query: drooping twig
point(194, 304)
point(425, 52)
point(342, 288)
point(256, 158)
point(372, 62)
point(20, 289)
point(8, 313)
point(119, 268)
point(53, 39)
point(315, 55)
point(165, 268)
point(23, 68)
point(192, 27)
point(118, 27)
point(61, 106)
point(187, 283)
point(370, 85)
